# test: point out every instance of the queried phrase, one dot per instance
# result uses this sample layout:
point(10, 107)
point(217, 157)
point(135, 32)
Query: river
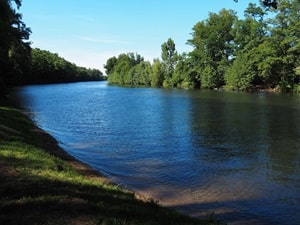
point(234, 154)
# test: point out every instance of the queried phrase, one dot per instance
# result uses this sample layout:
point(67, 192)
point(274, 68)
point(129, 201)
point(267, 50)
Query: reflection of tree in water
point(222, 127)
point(283, 143)
point(230, 128)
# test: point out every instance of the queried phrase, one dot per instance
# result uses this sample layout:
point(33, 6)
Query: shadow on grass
point(38, 200)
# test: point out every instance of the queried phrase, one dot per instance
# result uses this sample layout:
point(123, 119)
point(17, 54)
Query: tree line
point(20, 64)
point(262, 50)
point(47, 67)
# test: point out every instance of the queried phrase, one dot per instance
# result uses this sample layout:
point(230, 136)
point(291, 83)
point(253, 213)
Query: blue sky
point(88, 32)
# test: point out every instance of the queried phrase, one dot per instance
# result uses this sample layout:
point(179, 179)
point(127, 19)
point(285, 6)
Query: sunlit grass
point(41, 185)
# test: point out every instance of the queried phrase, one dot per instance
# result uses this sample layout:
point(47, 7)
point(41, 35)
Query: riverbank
point(42, 184)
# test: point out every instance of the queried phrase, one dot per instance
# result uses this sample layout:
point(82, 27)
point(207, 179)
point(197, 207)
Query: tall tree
point(157, 75)
point(277, 56)
point(169, 57)
point(185, 75)
point(14, 50)
point(285, 40)
point(212, 41)
point(110, 64)
point(247, 34)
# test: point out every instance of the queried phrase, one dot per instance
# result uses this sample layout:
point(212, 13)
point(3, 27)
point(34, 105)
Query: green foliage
point(185, 75)
point(47, 67)
point(157, 75)
point(14, 48)
point(19, 64)
point(110, 64)
point(139, 75)
point(179, 74)
point(208, 77)
point(297, 88)
point(239, 76)
point(120, 70)
point(286, 40)
point(169, 57)
point(212, 41)
point(258, 51)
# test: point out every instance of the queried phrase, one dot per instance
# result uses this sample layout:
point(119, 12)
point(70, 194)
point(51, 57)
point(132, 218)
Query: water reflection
point(252, 146)
point(225, 128)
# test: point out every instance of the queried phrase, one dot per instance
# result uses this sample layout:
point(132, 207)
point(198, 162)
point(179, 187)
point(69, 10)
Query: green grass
point(41, 184)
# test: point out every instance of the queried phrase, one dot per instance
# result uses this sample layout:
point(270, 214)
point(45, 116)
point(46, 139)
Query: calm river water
point(235, 154)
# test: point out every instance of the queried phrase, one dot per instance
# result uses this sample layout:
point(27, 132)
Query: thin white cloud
point(103, 41)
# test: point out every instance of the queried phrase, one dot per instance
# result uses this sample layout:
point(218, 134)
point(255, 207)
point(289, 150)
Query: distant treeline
point(47, 67)
point(260, 51)
point(19, 64)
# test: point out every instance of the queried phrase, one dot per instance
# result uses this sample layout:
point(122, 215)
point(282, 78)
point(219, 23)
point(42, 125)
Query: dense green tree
point(169, 57)
point(139, 74)
point(260, 50)
point(285, 44)
point(119, 69)
point(47, 67)
point(272, 53)
point(180, 72)
point(110, 64)
point(247, 34)
point(268, 47)
point(185, 75)
point(239, 76)
point(14, 48)
point(212, 42)
point(158, 73)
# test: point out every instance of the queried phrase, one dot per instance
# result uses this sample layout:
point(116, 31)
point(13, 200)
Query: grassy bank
point(41, 184)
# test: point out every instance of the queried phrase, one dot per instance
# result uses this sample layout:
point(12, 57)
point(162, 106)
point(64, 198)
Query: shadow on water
point(234, 213)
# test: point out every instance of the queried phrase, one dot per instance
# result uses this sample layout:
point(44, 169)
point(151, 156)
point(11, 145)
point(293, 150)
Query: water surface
point(235, 154)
